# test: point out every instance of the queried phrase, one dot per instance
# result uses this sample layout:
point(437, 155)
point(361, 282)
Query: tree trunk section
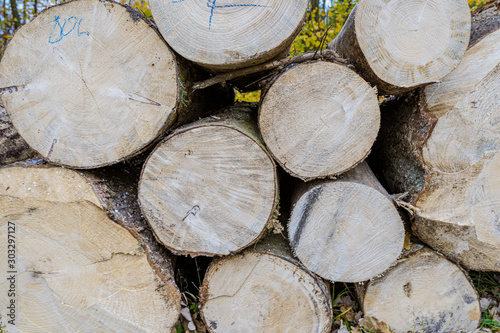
point(441, 145)
point(264, 289)
point(319, 119)
point(346, 230)
point(12, 147)
point(210, 188)
point(223, 36)
point(80, 255)
point(400, 45)
point(424, 292)
point(93, 83)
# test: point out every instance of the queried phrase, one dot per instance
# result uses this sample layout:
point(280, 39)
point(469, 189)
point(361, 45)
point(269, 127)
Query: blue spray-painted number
point(59, 30)
point(212, 5)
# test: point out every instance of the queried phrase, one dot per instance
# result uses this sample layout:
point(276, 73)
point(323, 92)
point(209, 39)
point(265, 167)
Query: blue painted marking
point(212, 6)
point(58, 33)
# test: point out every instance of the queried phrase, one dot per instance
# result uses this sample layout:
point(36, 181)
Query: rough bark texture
point(399, 46)
point(440, 144)
point(406, 300)
point(93, 83)
point(85, 259)
point(210, 188)
point(226, 36)
point(12, 147)
point(319, 119)
point(264, 289)
point(346, 230)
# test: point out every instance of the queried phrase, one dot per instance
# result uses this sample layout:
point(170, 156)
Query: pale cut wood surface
point(12, 147)
point(210, 188)
point(423, 293)
point(346, 230)
point(441, 145)
point(264, 289)
point(225, 35)
point(78, 270)
point(402, 44)
point(319, 119)
point(96, 83)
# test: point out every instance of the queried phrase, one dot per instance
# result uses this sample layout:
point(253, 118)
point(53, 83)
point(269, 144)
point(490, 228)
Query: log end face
point(290, 297)
point(85, 101)
point(75, 268)
point(223, 36)
point(208, 190)
point(411, 43)
point(345, 231)
point(404, 299)
point(319, 119)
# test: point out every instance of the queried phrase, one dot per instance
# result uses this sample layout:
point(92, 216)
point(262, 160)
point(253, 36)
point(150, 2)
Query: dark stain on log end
point(311, 198)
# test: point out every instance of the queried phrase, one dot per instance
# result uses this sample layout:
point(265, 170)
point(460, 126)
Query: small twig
point(323, 38)
point(325, 54)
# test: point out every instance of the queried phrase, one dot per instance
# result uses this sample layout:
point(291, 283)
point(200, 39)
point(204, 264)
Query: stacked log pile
point(89, 84)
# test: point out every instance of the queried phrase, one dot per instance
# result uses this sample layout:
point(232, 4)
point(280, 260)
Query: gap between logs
point(329, 55)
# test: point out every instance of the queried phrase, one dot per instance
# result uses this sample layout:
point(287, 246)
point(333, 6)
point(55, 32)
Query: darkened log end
point(485, 20)
point(397, 152)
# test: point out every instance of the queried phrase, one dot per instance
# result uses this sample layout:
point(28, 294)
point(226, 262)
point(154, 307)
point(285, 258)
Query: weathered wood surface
point(12, 147)
point(210, 188)
point(400, 45)
point(346, 230)
point(264, 289)
point(319, 119)
point(225, 35)
point(441, 145)
point(93, 83)
point(424, 292)
point(84, 258)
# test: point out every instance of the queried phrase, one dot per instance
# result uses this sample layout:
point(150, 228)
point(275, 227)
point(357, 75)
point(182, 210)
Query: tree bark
point(440, 145)
point(346, 230)
point(83, 257)
point(210, 188)
point(319, 119)
point(423, 292)
point(264, 289)
point(400, 46)
point(15, 14)
point(230, 35)
point(93, 84)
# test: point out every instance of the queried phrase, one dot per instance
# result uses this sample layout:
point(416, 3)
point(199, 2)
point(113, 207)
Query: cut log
point(264, 289)
point(346, 230)
point(441, 145)
point(319, 119)
point(92, 83)
point(400, 45)
point(424, 292)
point(227, 35)
point(12, 147)
point(210, 188)
point(69, 266)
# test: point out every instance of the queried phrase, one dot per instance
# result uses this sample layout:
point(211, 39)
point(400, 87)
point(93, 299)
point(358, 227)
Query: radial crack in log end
point(319, 119)
point(86, 272)
point(210, 188)
point(264, 289)
point(100, 80)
